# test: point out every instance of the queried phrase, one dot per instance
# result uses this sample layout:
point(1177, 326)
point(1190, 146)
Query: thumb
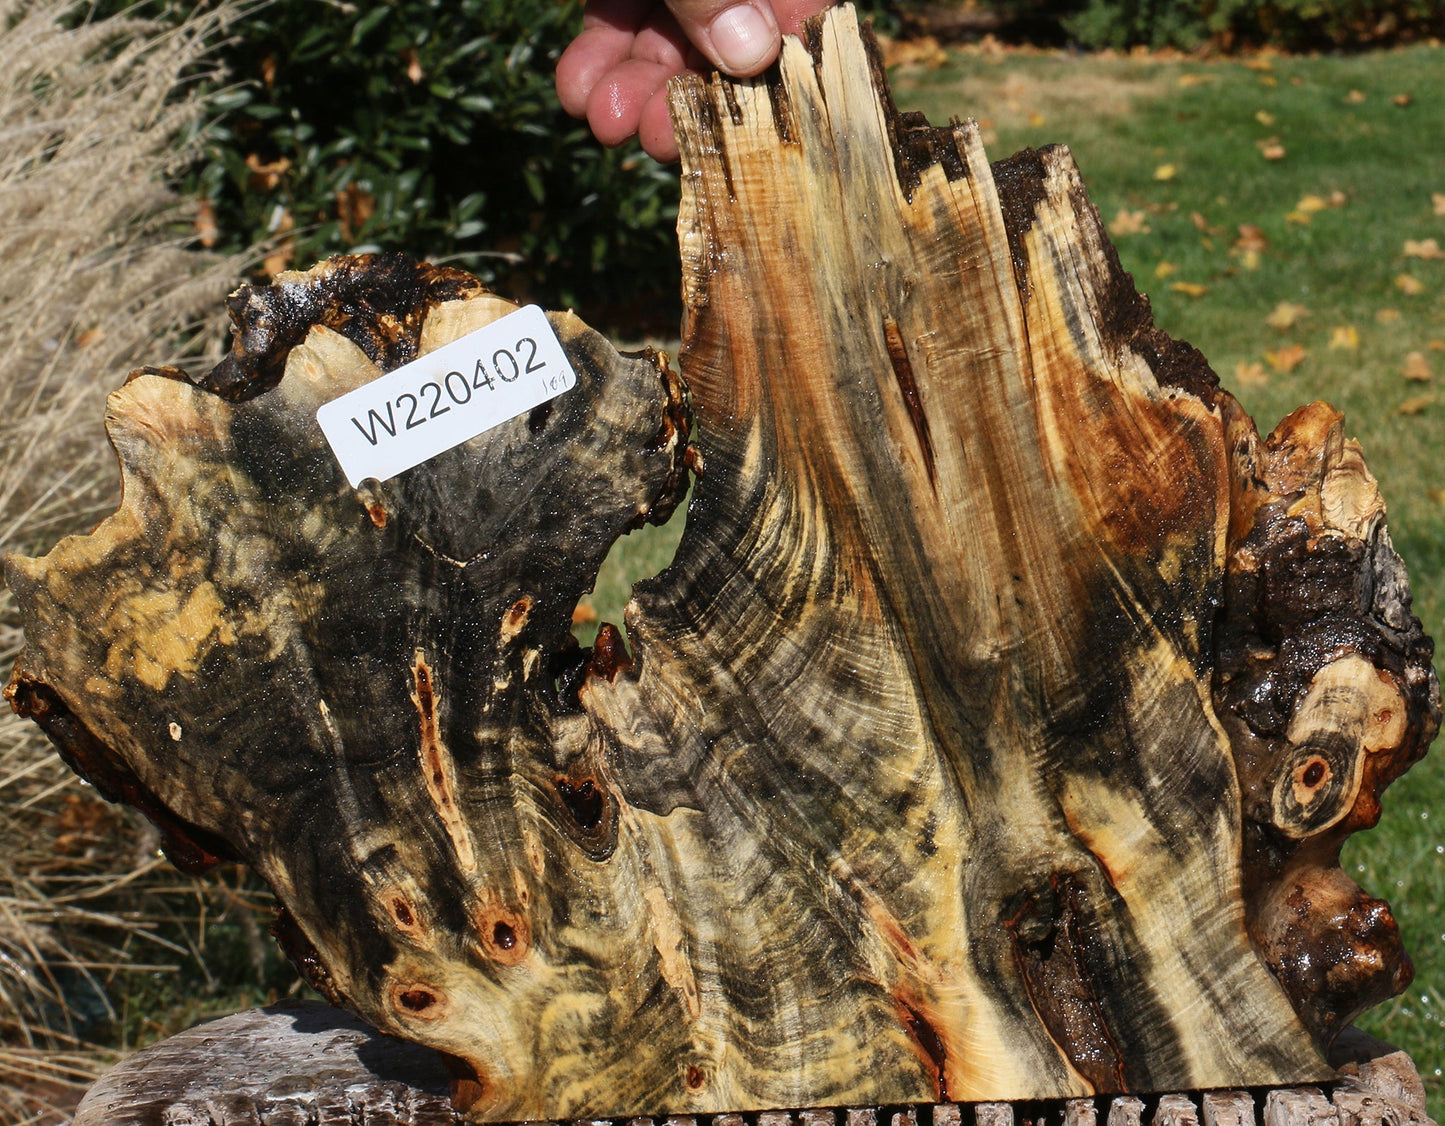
point(740, 39)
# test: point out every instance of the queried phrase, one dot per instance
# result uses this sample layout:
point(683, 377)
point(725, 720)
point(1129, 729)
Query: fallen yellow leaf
point(1268, 80)
point(1415, 404)
point(583, 613)
point(1165, 172)
point(1423, 248)
point(1355, 97)
point(265, 177)
point(353, 208)
point(1190, 289)
point(1345, 337)
point(1437, 495)
point(285, 247)
point(207, 231)
point(1300, 217)
point(1195, 79)
point(1409, 285)
point(1165, 269)
point(1416, 368)
point(1259, 62)
point(1437, 345)
point(1128, 223)
point(1264, 118)
point(1338, 198)
point(1272, 152)
point(1287, 358)
point(1249, 259)
point(1035, 119)
point(924, 52)
point(1312, 203)
point(1437, 202)
point(1251, 238)
point(1286, 315)
point(1403, 100)
point(1251, 375)
point(1387, 316)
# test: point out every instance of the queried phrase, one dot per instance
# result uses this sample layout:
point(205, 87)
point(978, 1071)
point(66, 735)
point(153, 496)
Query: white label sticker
point(447, 397)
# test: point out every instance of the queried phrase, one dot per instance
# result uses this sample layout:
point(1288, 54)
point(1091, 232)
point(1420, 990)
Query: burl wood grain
point(992, 736)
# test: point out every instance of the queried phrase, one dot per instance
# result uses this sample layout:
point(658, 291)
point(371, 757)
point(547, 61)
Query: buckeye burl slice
point(992, 735)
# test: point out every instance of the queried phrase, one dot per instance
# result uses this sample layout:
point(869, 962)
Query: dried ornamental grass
point(95, 274)
point(96, 277)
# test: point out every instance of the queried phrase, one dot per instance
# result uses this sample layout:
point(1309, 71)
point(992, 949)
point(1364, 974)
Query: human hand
point(615, 72)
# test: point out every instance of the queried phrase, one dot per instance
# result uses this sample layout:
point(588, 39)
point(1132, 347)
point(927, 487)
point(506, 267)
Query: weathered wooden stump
point(306, 1063)
point(993, 735)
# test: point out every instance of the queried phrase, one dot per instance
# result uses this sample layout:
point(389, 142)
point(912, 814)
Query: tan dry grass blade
point(38, 1087)
point(96, 276)
point(94, 272)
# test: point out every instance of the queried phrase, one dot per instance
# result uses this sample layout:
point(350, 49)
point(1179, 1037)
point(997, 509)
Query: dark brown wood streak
point(992, 735)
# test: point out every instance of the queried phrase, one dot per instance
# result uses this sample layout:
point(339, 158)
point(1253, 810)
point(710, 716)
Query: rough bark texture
point(307, 1064)
point(992, 736)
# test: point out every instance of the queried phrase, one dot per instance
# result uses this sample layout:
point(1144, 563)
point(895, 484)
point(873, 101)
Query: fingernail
point(743, 39)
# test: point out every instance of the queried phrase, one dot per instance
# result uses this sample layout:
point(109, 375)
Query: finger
point(661, 40)
point(609, 29)
point(589, 57)
point(740, 39)
point(614, 108)
point(792, 14)
point(654, 129)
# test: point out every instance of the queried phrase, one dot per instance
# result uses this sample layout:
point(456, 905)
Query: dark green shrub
point(1291, 24)
point(431, 126)
point(1152, 23)
point(1331, 23)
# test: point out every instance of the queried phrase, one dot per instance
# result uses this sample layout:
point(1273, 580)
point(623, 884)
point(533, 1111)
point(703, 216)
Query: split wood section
point(993, 735)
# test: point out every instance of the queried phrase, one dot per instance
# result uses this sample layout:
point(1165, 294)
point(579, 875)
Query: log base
point(309, 1064)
